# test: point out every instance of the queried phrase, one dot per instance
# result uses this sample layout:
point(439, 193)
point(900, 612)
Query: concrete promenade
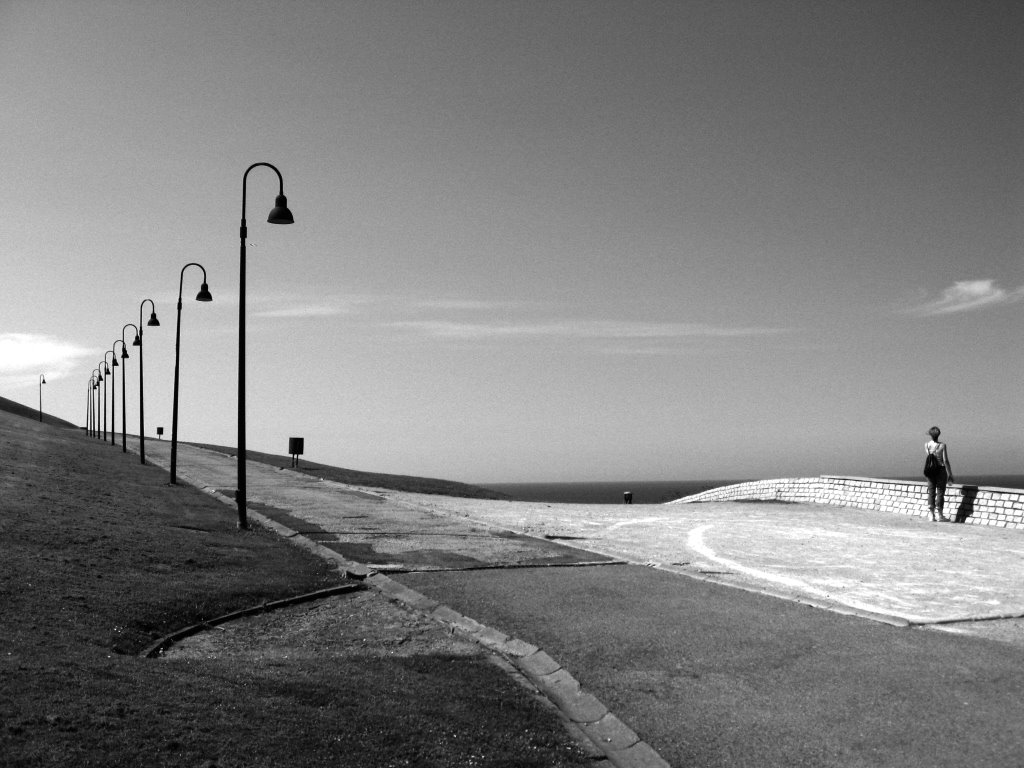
point(713, 669)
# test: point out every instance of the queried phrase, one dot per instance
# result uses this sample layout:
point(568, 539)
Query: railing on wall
point(971, 504)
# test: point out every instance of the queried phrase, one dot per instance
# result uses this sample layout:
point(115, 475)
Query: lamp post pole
point(94, 416)
point(96, 404)
point(279, 215)
point(101, 403)
point(142, 400)
point(101, 400)
point(113, 392)
point(42, 380)
point(88, 407)
point(124, 378)
point(203, 295)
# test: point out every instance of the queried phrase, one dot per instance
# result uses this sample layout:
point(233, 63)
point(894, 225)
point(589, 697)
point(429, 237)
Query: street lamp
point(113, 393)
point(88, 407)
point(101, 401)
point(42, 380)
point(138, 343)
point(110, 374)
point(96, 400)
point(203, 295)
point(279, 215)
point(124, 403)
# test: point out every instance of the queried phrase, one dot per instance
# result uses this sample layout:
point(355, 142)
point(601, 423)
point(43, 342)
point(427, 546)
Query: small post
point(627, 497)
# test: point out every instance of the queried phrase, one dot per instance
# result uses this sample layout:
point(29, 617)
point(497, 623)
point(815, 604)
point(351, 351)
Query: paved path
point(895, 568)
point(364, 526)
point(704, 673)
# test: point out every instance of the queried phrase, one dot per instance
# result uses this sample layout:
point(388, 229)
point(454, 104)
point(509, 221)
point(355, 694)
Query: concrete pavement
point(892, 568)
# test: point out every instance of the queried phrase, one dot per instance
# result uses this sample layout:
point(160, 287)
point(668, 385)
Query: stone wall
point(973, 504)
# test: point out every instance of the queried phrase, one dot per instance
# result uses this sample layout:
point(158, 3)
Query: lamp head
point(204, 293)
point(137, 342)
point(43, 381)
point(124, 352)
point(152, 320)
point(115, 363)
point(280, 214)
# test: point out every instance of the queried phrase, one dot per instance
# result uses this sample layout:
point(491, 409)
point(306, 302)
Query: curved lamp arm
point(204, 292)
point(280, 213)
point(152, 319)
point(138, 337)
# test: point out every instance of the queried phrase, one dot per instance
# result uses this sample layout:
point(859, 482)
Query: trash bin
point(296, 445)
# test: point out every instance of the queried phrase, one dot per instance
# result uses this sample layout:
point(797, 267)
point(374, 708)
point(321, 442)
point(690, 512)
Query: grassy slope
point(371, 479)
point(10, 406)
point(100, 555)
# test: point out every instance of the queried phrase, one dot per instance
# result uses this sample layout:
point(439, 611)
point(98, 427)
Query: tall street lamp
point(42, 380)
point(138, 343)
point(279, 215)
point(124, 402)
point(110, 375)
point(101, 400)
point(113, 392)
point(96, 399)
point(88, 407)
point(203, 295)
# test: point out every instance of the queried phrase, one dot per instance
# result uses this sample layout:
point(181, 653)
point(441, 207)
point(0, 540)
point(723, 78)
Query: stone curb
point(612, 738)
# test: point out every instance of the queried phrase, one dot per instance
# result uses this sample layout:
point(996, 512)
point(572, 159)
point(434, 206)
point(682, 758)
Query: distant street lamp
point(96, 398)
point(88, 407)
point(203, 295)
point(110, 374)
point(101, 402)
point(279, 215)
point(42, 380)
point(113, 393)
point(142, 404)
point(124, 402)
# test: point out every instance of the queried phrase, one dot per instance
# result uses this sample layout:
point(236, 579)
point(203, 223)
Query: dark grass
point(11, 406)
point(100, 557)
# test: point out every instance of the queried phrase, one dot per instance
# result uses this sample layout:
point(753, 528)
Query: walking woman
point(937, 482)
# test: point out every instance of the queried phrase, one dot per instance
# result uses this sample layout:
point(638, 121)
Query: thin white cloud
point(302, 312)
point(578, 329)
point(293, 306)
point(298, 307)
point(967, 296)
point(23, 356)
point(464, 305)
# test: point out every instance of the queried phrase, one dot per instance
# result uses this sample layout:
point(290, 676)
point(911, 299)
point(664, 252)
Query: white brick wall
point(971, 504)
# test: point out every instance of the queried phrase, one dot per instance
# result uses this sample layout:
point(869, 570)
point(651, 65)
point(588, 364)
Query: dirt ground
point(364, 624)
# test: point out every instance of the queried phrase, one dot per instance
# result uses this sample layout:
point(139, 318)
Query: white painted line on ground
point(637, 521)
point(695, 541)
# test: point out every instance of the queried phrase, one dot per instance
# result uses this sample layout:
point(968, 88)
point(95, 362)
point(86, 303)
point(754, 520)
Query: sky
point(533, 241)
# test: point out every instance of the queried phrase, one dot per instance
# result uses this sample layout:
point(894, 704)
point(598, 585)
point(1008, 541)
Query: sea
point(661, 491)
point(645, 492)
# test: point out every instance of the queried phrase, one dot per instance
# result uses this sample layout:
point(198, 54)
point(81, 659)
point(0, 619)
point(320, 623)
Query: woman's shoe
point(931, 515)
point(943, 518)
